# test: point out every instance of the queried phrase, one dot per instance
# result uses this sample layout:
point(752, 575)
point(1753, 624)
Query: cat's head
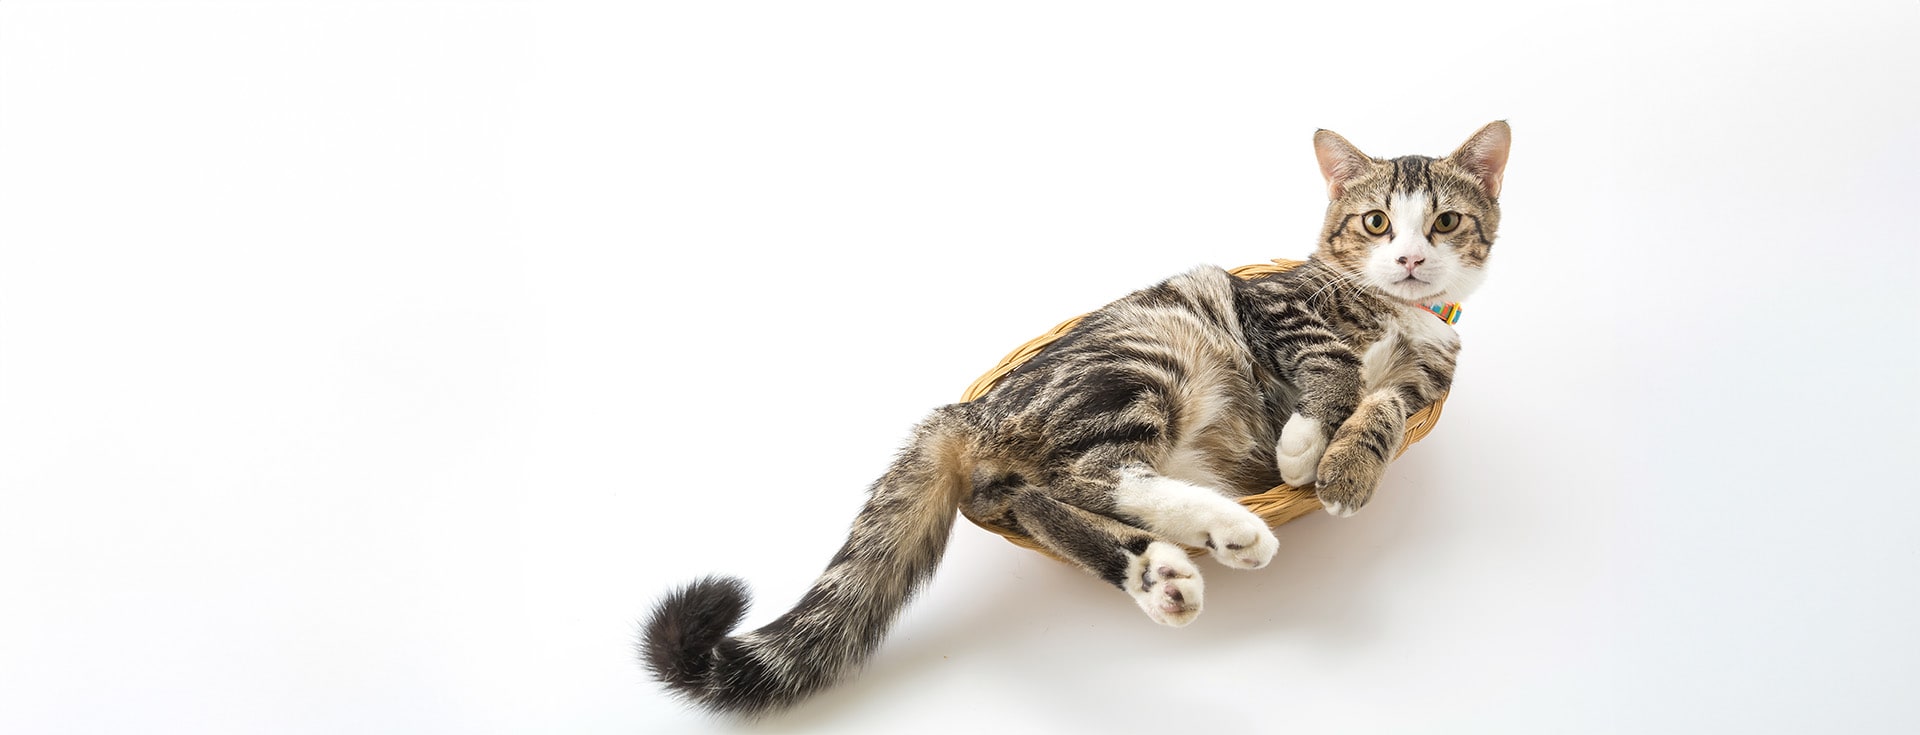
point(1415, 228)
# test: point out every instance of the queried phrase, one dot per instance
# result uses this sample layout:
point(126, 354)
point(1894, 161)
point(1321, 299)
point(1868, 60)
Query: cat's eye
point(1375, 222)
point(1446, 222)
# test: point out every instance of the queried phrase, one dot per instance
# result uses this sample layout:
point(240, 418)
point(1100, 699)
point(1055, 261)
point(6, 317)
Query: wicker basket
point(1277, 506)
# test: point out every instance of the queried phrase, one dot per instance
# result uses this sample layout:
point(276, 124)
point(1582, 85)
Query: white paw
point(1298, 453)
point(1242, 540)
point(1165, 584)
point(1338, 509)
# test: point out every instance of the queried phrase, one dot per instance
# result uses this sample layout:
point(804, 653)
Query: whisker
point(1346, 280)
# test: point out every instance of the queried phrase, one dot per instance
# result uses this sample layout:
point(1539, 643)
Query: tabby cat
point(1128, 438)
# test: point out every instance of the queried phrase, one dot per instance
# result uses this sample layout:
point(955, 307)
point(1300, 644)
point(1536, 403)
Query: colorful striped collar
point(1448, 312)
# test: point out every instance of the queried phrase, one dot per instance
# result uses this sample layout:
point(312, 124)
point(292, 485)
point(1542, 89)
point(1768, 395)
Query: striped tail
point(894, 547)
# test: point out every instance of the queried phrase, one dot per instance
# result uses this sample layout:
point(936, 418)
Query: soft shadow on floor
point(1029, 623)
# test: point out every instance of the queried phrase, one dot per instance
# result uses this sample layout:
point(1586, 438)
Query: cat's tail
point(896, 542)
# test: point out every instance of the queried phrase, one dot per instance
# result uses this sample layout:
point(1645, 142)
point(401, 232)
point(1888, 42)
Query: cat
point(1128, 438)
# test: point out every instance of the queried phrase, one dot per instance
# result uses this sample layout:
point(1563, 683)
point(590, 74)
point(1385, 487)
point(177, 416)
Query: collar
point(1448, 312)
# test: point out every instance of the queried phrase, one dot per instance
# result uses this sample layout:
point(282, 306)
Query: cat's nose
point(1410, 261)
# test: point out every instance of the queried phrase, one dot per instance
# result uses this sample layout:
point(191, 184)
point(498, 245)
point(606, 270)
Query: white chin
point(1412, 290)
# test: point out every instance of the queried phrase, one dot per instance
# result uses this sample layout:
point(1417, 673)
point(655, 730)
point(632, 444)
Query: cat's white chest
point(1411, 329)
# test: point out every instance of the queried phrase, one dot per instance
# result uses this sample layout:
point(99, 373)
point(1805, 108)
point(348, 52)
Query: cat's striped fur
point(1128, 437)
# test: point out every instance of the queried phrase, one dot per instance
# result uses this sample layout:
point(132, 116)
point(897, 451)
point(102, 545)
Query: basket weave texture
point(1276, 506)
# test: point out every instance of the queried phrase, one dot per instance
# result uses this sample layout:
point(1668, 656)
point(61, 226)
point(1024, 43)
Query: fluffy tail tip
point(677, 642)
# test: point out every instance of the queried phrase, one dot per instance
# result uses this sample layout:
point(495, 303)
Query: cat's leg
point(1194, 515)
point(1156, 574)
point(1330, 387)
point(1358, 454)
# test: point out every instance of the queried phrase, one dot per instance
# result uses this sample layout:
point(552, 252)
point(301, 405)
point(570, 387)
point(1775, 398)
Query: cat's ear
point(1339, 161)
point(1485, 155)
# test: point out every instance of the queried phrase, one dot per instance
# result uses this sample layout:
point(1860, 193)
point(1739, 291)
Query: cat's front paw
point(1302, 443)
point(1347, 482)
point(1165, 584)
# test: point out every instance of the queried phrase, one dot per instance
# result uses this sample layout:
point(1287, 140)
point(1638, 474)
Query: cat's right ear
point(1340, 162)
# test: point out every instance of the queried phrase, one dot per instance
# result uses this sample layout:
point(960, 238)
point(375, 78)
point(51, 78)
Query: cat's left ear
point(1485, 155)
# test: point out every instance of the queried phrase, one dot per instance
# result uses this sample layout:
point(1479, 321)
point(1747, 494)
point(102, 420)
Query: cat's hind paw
point(1243, 543)
point(1182, 512)
point(1166, 584)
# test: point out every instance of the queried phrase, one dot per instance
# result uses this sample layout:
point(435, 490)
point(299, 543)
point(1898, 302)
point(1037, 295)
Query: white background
point(371, 368)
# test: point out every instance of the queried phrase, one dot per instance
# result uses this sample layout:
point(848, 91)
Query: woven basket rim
point(1276, 506)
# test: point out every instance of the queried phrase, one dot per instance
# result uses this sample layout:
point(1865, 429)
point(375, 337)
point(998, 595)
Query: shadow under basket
point(1276, 506)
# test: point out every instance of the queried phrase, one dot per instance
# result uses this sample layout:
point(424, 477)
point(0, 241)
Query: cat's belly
point(1192, 464)
point(1223, 441)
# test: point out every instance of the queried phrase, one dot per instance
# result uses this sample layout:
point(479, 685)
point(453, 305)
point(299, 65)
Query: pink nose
point(1410, 261)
